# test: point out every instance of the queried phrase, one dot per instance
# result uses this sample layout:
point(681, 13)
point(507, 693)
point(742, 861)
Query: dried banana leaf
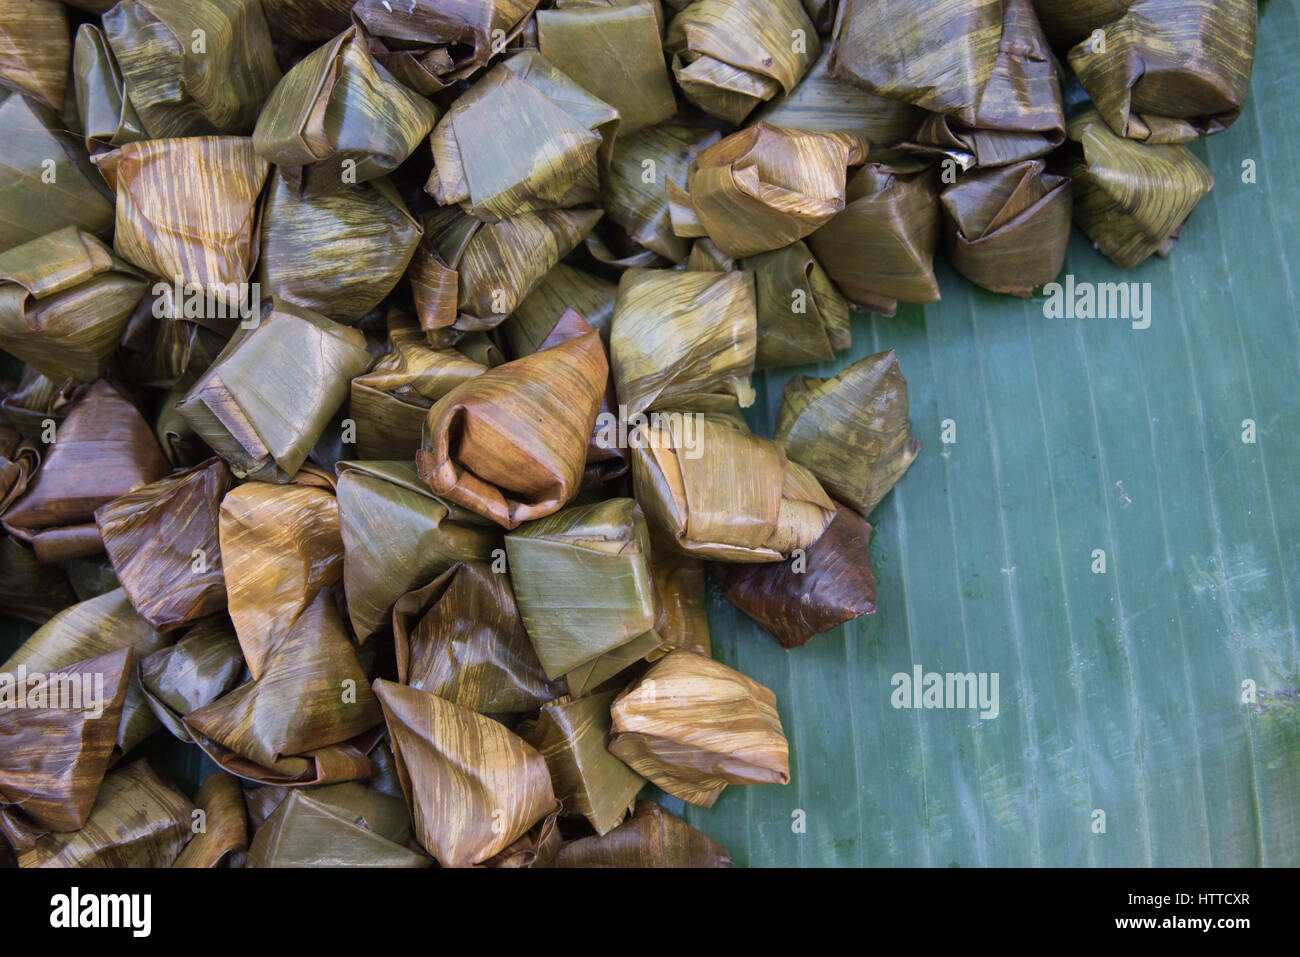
point(162, 348)
point(831, 583)
point(572, 735)
point(293, 722)
point(651, 837)
point(1066, 22)
point(337, 253)
point(802, 317)
point(542, 132)
point(46, 179)
point(582, 580)
point(396, 536)
point(1132, 199)
point(475, 453)
point(680, 335)
point(460, 637)
point(634, 193)
point(102, 450)
point(138, 820)
point(715, 491)
point(731, 55)
point(193, 69)
point(29, 589)
point(562, 288)
point(162, 540)
point(326, 827)
point(473, 786)
point(267, 398)
point(37, 398)
point(59, 729)
point(681, 584)
point(432, 44)
point(338, 118)
point(306, 21)
point(1008, 228)
point(590, 675)
point(539, 847)
point(35, 49)
point(692, 726)
point(280, 546)
point(765, 187)
point(187, 211)
point(91, 628)
point(852, 431)
point(613, 52)
point(496, 265)
point(880, 249)
point(224, 834)
point(192, 673)
point(1170, 71)
point(19, 459)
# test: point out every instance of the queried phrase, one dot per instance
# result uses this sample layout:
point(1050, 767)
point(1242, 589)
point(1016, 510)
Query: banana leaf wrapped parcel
point(561, 289)
point(31, 590)
point(103, 105)
point(681, 584)
point(802, 317)
point(192, 673)
point(35, 49)
point(336, 825)
point(224, 835)
point(651, 837)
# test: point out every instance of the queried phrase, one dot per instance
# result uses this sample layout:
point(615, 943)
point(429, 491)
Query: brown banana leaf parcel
point(852, 431)
point(193, 69)
point(460, 637)
point(35, 197)
point(223, 836)
point(561, 289)
point(582, 580)
point(103, 106)
point(473, 786)
point(162, 540)
point(169, 343)
point(102, 450)
point(475, 453)
point(573, 735)
point(539, 846)
point(338, 825)
point(830, 584)
point(138, 820)
point(396, 536)
point(37, 398)
point(731, 55)
point(267, 398)
point(35, 49)
point(765, 187)
point(1170, 71)
point(306, 21)
point(192, 673)
point(339, 253)
point(712, 490)
point(880, 249)
point(187, 211)
point(682, 336)
point(280, 546)
point(692, 726)
point(651, 837)
point(525, 138)
point(682, 586)
point(1009, 227)
point(31, 590)
point(614, 52)
point(294, 723)
point(338, 118)
point(19, 459)
point(802, 317)
point(65, 300)
point(1066, 22)
point(1132, 199)
point(59, 730)
point(432, 44)
point(89, 629)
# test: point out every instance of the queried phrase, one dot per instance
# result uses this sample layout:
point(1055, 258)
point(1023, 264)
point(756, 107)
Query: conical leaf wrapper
point(225, 828)
point(268, 397)
point(59, 729)
point(396, 536)
point(31, 590)
point(35, 49)
point(339, 118)
point(162, 540)
point(138, 820)
point(103, 105)
point(582, 580)
point(692, 726)
point(682, 586)
point(476, 454)
point(317, 827)
point(880, 249)
point(802, 317)
point(731, 55)
point(651, 837)
point(573, 736)
point(1009, 227)
point(562, 288)
point(192, 673)
point(678, 335)
point(337, 253)
point(834, 583)
point(1170, 71)
point(473, 786)
point(851, 431)
point(1131, 198)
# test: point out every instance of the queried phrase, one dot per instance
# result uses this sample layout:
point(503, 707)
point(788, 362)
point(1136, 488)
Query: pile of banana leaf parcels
point(380, 417)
